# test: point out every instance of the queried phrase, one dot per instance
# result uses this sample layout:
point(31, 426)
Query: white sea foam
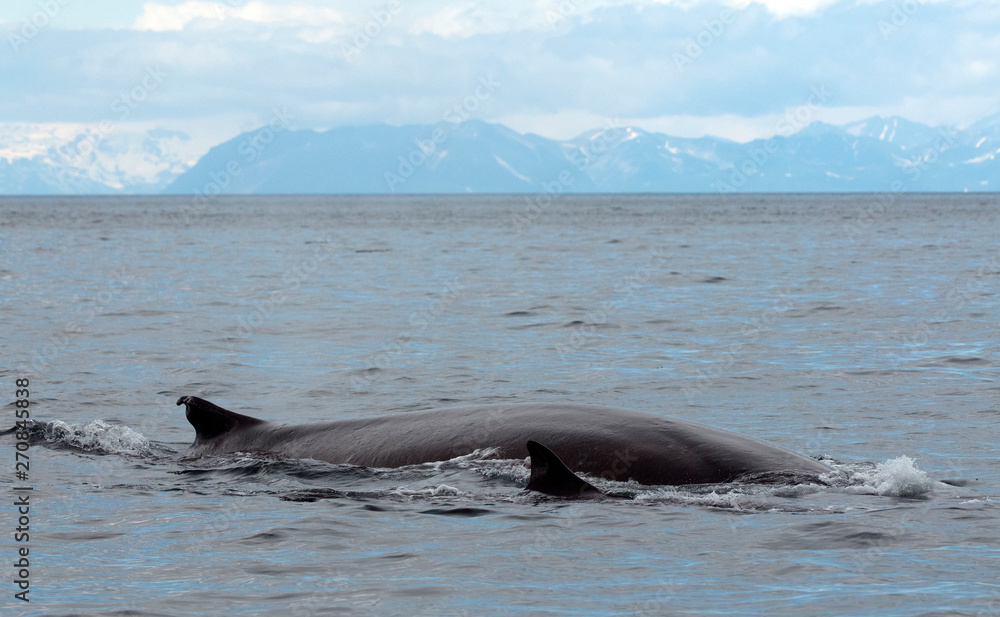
point(462, 462)
point(727, 500)
point(438, 491)
point(896, 477)
point(98, 435)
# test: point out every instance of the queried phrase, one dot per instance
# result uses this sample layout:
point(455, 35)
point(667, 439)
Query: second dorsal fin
point(209, 420)
point(551, 476)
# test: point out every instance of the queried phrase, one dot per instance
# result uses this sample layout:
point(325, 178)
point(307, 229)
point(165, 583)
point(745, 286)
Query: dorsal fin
point(550, 475)
point(209, 420)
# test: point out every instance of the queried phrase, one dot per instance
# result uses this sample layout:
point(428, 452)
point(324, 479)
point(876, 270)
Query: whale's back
point(614, 444)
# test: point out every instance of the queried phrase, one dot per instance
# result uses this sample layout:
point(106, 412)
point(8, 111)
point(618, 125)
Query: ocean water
point(859, 329)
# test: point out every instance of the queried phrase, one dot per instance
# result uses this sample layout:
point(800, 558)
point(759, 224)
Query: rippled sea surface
point(859, 329)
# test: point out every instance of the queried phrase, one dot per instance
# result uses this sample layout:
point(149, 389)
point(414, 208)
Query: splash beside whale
point(562, 440)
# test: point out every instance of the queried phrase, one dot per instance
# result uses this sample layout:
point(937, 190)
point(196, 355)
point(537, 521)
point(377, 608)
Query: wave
point(95, 436)
point(442, 490)
point(895, 477)
point(898, 477)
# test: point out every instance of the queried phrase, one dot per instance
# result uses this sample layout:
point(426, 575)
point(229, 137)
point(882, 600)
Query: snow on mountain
point(875, 155)
point(898, 132)
point(65, 159)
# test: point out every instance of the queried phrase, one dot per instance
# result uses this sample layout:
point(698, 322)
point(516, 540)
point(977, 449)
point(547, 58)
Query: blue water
point(858, 329)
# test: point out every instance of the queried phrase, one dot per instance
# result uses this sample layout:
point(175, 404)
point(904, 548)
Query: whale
point(563, 441)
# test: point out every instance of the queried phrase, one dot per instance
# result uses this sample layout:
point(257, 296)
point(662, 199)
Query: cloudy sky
point(554, 67)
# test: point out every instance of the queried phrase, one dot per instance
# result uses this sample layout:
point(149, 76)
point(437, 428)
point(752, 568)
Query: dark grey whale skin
point(599, 441)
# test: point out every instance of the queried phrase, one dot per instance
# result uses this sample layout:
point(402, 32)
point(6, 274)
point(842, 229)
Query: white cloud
point(790, 8)
point(455, 20)
point(161, 17)
point(980, 69)
point(25, 140)
point(467, 19)
point(563, 124)
point(600, 59)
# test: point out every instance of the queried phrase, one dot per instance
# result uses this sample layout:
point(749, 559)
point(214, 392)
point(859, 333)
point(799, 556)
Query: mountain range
point(877, 155)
